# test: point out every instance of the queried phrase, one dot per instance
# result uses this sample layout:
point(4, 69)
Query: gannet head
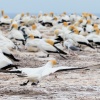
point(90, 15)
point(97, 31)
point(15, 26)
point(34, 27)
point(51, 13)
point(55, 18)
point(56, 32)
point(80, 21)
point(71, 27)
point(49, 41)
point(22, 15)
point(64, 13)
point(31, 36)
point(95, 25)
point(65, 24)
point(76, 31)
point(45, 14)
point(5, 16)
point(88, 21)
point(53, 62)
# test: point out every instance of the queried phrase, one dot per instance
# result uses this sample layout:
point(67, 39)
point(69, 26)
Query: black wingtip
point(9, 67)
point(7, 71)
point(90, 46)
point(11, 57)
point(60, 51)
point(70, 69)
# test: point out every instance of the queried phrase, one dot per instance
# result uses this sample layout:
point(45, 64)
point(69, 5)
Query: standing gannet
point(18, 17)
point(47, 46)
point(96, 39)
point(93, 35)
point(31, 43)
point(16, 34)
point(35, 75)
point(79, 38)
point(89, 27)
point(5, 63)
point(4, 19)
point(35, 32)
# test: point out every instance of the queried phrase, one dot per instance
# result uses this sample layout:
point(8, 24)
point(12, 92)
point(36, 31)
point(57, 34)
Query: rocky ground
point(81, 84)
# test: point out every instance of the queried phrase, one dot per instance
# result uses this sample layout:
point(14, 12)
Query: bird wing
point(64, 68)
point(47, 47)
point(74, 48)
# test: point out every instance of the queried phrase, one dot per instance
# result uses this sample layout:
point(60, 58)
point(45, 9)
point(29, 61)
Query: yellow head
point(53, 62)
point(71, 27)
point(95, 25)
point(5, 16)
point(65, 24)
point(97, 31)
point(49, 41)
point(76, 31)
point(88, 21)
point(56, 32)
point(15, 26)
point(90, 15)
point(55, 18)
point(51, 13)
point(64, 13)
point(80, 21)
point(34, 27)
point(22, 14)
point(45, 14)
point(31, 36)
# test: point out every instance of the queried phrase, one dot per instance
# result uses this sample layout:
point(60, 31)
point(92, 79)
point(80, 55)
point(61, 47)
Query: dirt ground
point(81, 84)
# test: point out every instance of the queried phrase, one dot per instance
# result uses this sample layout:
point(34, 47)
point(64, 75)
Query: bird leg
point(25, 83)
point(47, 55)
point(35, 83)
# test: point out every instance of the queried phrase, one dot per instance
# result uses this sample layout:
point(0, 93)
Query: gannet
point(34, 75)
point(16, 34)
point(35, 32)
point(5, 63)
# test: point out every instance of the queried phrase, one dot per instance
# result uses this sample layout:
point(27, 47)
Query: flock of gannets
point(49, 33)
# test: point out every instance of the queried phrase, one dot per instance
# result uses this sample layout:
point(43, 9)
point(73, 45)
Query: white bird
point(18, 17)
point(7, 52)
point(35, 75)
point(46, 45)
point(31, 43)
point(16, 34)
point(5, 63)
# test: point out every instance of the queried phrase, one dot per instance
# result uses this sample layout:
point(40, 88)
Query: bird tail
point(10, 67)
point(11, 57)
point(7, 71)
point(90, 46)
point(57, 42)
point(60, 51)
